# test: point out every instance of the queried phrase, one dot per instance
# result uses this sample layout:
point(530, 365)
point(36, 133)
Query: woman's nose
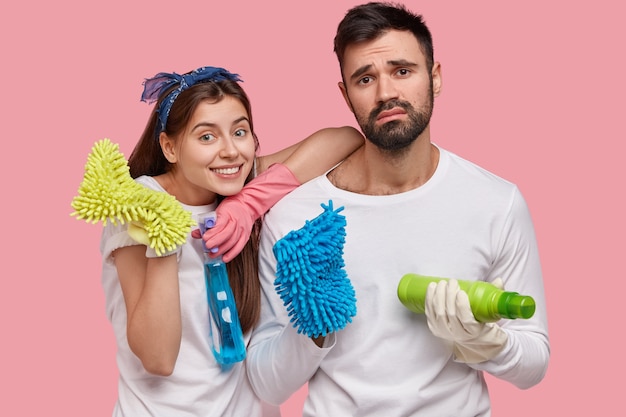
point(228, 149)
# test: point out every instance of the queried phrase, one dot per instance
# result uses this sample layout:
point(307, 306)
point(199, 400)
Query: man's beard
point(397, 134)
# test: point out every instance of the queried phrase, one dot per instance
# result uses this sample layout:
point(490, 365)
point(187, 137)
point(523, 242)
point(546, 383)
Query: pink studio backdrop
point(533, 91)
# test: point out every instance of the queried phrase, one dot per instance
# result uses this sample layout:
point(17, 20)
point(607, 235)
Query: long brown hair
point(147, 159)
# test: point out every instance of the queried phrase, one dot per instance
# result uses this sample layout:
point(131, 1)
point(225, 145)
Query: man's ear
point(436, 75)
point(168, 148)
point(344, 93)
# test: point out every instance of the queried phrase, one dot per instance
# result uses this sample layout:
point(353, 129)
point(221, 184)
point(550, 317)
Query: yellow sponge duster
point(108, 193)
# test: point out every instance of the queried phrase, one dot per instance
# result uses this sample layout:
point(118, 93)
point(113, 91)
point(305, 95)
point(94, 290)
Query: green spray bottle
point(488, 302)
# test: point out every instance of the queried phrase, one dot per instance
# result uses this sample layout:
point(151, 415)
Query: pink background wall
point(533, 91)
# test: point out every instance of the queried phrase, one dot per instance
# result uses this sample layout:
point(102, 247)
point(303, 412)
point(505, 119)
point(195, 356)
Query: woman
point(199, 146)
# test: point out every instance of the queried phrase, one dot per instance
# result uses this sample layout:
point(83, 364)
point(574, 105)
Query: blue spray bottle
point(226, 335)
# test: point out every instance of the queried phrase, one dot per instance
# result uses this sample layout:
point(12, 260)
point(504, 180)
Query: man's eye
point(365, 80)
point(403, 72)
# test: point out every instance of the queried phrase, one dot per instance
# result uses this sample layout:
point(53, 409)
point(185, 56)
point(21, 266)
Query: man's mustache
point(388, 105)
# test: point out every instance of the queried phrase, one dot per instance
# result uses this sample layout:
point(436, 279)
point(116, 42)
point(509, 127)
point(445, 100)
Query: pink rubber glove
point(237, 213)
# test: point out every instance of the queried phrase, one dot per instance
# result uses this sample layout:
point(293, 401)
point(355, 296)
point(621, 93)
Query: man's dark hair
point(367, 22)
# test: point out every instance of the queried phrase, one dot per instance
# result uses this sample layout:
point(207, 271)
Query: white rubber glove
point(450, 317)
point(498, 283)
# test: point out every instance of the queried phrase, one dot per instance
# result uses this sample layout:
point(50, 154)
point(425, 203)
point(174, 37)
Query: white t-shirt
point(464, 223)
point(198, 387)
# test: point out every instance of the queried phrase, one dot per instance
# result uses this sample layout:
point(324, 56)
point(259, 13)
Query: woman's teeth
point(227, 171)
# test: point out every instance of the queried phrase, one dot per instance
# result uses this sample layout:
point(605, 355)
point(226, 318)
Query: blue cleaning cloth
point(310, 276)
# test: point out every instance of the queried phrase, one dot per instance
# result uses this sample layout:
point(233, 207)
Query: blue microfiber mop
point(310, 275)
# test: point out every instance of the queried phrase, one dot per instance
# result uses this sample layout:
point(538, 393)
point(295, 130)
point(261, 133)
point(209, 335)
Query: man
point(410, 207)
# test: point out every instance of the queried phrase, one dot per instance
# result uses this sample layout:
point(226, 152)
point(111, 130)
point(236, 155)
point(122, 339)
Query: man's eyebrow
point(401, 63)
point(360, 71)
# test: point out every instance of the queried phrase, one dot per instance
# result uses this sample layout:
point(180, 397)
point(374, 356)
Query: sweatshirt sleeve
point(524, 360)
point(279, 359)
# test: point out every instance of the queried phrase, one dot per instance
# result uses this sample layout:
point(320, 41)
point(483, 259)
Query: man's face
point(389, 89)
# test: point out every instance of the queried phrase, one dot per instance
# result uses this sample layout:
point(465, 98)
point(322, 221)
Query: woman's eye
point(208, 137)
point(241, 132)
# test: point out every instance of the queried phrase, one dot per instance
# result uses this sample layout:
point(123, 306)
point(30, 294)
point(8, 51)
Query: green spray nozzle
point(515, 306)
point(488, 302)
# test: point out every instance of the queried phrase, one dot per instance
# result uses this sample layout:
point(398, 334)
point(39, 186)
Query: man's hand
point(450, 317)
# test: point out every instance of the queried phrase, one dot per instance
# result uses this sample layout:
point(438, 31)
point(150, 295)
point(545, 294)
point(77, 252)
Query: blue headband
point(155, 86)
